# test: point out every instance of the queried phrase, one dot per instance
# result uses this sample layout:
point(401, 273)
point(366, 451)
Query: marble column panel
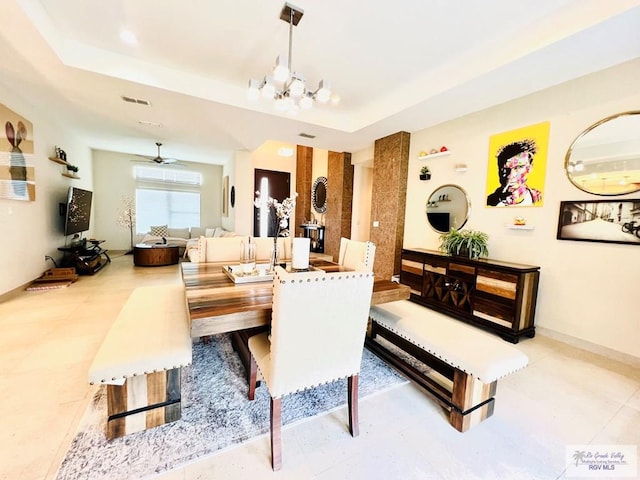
point(304, 164)
point(339, 201)
point(388, 201)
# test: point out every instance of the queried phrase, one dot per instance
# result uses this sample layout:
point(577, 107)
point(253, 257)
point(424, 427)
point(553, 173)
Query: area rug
point(215, 415)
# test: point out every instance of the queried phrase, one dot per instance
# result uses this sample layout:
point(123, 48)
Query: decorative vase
point(274, 254)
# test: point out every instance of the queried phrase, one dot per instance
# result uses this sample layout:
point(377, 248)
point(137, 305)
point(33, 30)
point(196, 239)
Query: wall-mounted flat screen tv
point(78, 211)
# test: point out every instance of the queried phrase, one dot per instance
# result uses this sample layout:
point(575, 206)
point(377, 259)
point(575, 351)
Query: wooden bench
point(464, 363)
point(141, 358)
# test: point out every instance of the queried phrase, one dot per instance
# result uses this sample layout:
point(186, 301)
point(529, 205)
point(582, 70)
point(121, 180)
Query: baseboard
point(590, 346)
point(13, 293)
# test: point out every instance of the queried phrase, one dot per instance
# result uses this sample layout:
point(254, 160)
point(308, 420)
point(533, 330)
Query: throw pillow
point(209, 232)
point(159, 230)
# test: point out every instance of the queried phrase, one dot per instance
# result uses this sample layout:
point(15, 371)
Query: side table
point(155, 255)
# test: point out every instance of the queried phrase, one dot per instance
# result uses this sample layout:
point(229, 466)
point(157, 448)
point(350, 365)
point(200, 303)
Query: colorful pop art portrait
point(517, 167)
point(17, 175)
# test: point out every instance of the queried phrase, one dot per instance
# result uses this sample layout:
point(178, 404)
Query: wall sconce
point(460, 167)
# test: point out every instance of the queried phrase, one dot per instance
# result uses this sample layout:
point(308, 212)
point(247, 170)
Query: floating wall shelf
point(433, 155)
point(520, 227)
point(58, 160)
point(68, 174)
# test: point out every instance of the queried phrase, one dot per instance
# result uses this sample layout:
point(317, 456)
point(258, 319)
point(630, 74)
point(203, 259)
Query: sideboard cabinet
point(497, 296)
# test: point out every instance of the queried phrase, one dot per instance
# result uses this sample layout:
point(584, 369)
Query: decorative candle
point(300, 253)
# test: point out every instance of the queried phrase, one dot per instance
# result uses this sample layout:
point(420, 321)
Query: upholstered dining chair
point(356, 255)
point(317, 335)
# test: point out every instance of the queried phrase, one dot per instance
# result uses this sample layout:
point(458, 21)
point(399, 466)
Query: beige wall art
point(17, 174)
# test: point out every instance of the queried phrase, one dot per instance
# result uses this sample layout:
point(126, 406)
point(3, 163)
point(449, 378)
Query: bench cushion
point(462, 346)
point(150, 334)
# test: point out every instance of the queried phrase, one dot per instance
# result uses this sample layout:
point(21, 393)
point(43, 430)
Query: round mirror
point(448, 208)
point(605, 158)
point(319, 194)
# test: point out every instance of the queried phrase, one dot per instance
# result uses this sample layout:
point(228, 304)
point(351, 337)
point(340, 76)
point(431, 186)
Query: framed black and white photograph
point(610, 221)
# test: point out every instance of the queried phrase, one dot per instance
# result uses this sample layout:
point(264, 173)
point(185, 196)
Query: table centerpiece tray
point(261, 273)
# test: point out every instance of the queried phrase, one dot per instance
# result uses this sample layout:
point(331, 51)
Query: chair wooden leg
point(253, 374)
point(352, 396)
point(276, 433)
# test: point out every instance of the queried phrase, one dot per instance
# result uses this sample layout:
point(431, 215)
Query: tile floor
point(565, 396)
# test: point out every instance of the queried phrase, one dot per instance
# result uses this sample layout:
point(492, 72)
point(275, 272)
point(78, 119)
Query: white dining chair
point(317, 336)
point(356, 255)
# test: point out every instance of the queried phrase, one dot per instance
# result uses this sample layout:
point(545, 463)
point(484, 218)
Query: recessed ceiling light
point(285, 151)
point(128, 37)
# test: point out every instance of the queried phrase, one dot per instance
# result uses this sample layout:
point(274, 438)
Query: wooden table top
point(218, 305)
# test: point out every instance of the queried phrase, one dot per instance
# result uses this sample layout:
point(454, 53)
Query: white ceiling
point(402, 65)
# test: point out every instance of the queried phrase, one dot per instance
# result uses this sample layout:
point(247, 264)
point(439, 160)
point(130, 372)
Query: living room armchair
point(317, 335)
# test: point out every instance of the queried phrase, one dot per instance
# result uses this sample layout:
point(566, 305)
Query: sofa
point(182, 236)
point(227, 248)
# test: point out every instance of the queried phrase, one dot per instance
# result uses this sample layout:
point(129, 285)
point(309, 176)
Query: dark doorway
point(276, 185)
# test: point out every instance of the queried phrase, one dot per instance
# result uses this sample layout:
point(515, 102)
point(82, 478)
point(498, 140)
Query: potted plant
point(72, 168)
point(468, 243)
point(425, 173)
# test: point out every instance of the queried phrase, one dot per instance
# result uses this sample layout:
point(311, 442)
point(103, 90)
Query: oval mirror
point(319, 194)
point(605, 158)
point(448, 208)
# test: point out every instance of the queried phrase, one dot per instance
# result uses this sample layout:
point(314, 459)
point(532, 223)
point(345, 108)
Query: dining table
point(216, 304)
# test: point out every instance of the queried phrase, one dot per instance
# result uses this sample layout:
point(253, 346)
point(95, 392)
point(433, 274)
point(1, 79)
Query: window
point(167, 196)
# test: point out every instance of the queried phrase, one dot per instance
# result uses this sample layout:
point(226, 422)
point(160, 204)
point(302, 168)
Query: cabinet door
point(447, 288)
point(495, 298)
point(411, 272)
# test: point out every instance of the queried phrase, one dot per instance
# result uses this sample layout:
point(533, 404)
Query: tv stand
point(86, 259)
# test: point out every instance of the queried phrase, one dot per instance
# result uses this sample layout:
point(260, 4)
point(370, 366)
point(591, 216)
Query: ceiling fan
point(161, 160)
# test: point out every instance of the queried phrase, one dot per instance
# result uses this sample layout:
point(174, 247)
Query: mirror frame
point(466, 197)
point(314, 195)
point(567, 158)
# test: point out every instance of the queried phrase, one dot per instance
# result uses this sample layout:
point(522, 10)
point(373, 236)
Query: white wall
point(266, 158)
point(361, 208)
point(229, 222)
point(31, 230)
point(587, 290)
point(113, 174)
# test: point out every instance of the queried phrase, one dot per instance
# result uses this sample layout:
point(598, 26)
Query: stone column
point(388, 201)
point(304, 164)
point(339, 201)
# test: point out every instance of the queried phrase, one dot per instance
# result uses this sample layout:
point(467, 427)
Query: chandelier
point(287, 87)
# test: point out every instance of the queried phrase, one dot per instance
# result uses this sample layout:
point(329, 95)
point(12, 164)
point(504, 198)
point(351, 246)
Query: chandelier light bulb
point(280, 104)
point(306, 101)
point(297, 85)
point(268, 88)
point(335, 99)
point(281, 70)
point(324, 92)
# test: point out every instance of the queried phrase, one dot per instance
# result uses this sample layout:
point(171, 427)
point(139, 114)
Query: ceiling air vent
point(139, 101)
point(306, 135)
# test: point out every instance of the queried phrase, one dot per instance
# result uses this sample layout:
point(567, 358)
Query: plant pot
point(425, 176)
